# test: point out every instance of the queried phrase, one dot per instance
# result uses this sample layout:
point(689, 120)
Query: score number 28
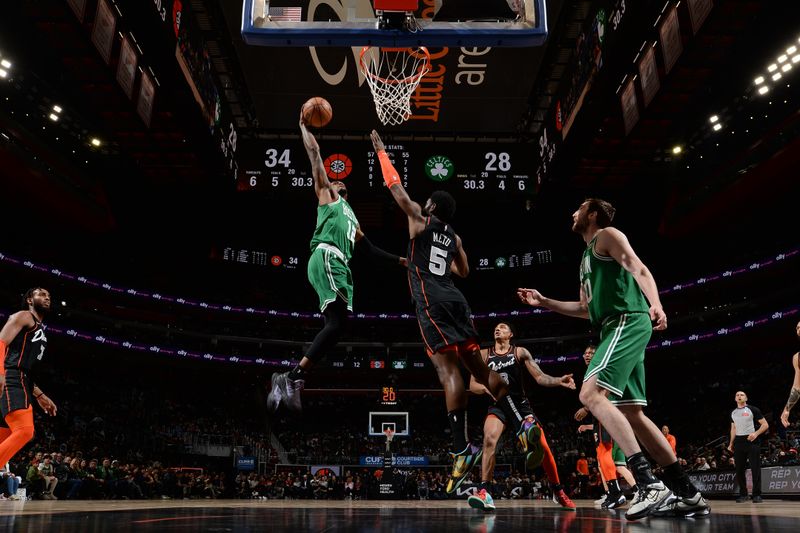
point(495, 162)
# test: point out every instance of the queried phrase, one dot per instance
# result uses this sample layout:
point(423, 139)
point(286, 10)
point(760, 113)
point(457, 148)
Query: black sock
point(485, 485)
point(613, 486)
point(297, 373)
point(640, 468)
point(458, 425)
point(555, 487)
point(677, 480)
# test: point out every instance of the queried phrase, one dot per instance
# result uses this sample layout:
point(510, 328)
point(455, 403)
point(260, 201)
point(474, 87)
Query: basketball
point(317, 112)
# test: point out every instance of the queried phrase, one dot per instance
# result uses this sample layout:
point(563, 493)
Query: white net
point(393, 75)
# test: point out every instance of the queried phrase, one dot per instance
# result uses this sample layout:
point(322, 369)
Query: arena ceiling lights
point(777, 70)
point(5, 67)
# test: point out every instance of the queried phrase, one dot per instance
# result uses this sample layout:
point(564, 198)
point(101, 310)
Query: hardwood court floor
point(374, 516)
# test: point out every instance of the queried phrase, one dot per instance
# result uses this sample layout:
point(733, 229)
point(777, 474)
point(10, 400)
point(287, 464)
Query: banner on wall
point(629, 104)
point(669, 31)
point(104, 29)
point(648, 74)
point(147, 96)
point(79, 8)
point(698, 12)
point(775, 480)
point(127, 66)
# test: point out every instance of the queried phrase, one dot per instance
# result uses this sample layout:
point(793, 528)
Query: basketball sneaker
point(648, 498)
point(482, 500)
point(285, 391)
point(687, 507)
point(561, 499)
point(462, 464)
point(528, 434)
point(614, 501)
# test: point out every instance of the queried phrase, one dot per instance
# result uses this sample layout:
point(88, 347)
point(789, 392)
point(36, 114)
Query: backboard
point(380, 420)
point(486, 23)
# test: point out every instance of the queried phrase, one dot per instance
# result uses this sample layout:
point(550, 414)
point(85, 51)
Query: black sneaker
point(613, 501)
point(757, 499)
point(648, 499)
point(741, 499)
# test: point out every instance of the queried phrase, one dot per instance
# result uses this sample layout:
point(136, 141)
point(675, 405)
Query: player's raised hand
point(530, 296)
point(377, 143)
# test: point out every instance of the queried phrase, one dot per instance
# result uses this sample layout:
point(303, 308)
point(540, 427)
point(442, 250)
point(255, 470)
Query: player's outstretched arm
point(375, 252)
point(545, 380)
point(392, 179)
point(322, 186)
point(534, 298)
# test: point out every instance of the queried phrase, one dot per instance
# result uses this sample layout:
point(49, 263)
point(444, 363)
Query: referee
point(745, 445)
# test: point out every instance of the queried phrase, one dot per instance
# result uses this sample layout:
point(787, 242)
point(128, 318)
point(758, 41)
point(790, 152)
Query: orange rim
point(410, 79)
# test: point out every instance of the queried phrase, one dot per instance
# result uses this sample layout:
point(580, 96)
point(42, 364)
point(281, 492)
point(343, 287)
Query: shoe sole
point(649, 510)
point(477, 503)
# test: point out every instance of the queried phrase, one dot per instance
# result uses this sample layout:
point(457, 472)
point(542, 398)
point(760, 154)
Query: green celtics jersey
point(609, 288)
point(336, 226)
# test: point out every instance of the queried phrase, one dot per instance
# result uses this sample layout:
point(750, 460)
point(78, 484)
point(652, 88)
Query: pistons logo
point(338, 166)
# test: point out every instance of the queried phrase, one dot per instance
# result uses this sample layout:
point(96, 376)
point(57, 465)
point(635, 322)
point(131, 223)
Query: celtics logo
point(439, 168)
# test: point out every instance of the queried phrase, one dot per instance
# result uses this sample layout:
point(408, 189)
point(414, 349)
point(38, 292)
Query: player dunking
point(511, 362)
point(434, 252)
point(615, 290)
point(335, 235)
point(22, 345)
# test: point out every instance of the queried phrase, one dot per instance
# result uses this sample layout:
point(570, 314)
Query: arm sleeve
point(756, 415)
point(377, 253)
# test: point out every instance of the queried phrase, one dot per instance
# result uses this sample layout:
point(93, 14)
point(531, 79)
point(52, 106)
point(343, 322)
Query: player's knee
point(589, 396)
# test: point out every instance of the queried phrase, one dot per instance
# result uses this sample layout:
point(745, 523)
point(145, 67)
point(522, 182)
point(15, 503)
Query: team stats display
point(281, 167)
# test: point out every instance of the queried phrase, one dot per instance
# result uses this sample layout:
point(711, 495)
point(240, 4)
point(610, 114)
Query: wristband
point(390, 176)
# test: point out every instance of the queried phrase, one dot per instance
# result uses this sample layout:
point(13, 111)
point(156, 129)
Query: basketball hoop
point(393, 74)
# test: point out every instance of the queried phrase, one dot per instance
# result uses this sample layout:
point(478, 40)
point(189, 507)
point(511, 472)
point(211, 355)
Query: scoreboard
point(281, 166)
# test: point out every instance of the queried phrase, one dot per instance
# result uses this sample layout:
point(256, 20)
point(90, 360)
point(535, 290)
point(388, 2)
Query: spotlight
point(63, 303)
point(53, 117)
point(763, 89)
point(96, 141)
point(3, 73)
point(57, 108)
point(796, 58)
point(759, 80)
point(717, 127)
point(786, 68)
point(782, 58)
point(713, 119)
point(772, 68)
point(792, 49)
point(677, 149)
point(776, 76)
point(5, 63)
